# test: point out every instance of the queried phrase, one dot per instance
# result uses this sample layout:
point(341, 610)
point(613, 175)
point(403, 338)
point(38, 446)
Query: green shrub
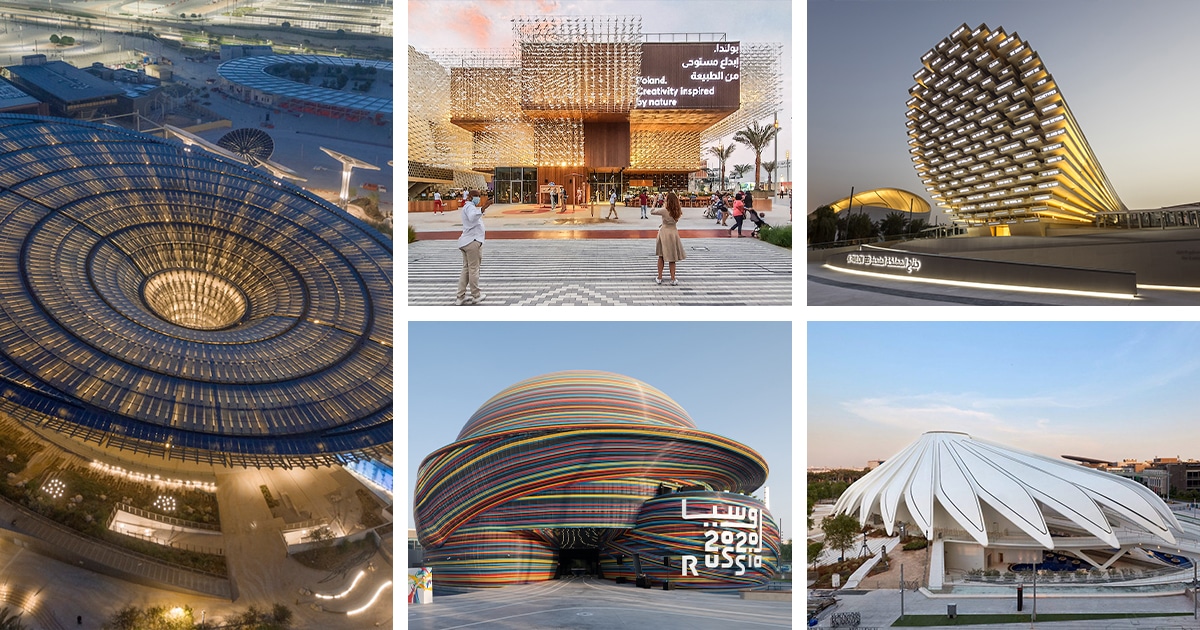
point(272, 502)
point(916, 544)
point(412, 234)
point(781, 236)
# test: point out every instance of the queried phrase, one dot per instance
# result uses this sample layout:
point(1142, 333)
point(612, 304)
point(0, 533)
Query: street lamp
point(776, 145)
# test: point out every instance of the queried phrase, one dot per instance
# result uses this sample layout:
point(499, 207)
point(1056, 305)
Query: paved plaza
point(880, 608)
point(536, 257)
point(596, 605)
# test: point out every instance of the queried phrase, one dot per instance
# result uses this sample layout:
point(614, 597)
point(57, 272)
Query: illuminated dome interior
point(163, 300)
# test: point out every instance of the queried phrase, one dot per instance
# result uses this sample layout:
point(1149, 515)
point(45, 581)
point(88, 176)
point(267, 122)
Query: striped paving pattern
point(605, 272)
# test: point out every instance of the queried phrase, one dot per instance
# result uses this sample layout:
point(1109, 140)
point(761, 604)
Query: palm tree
point(740, 170)
point(756, 137)
point(9, 622)
point(770, 167)
point(722, 153)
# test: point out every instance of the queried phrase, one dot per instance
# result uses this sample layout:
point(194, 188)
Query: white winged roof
point(958, 477)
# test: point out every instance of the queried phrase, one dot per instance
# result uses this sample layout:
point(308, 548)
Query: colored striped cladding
point(993, 139)
point(662, 539)
point(568, 461)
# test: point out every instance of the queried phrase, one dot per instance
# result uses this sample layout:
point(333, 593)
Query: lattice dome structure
point(992, 136)
point(171, 303)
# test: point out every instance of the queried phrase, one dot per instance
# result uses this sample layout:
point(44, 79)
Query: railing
point(163, 518)
point(1071, 577)
point(215, 551)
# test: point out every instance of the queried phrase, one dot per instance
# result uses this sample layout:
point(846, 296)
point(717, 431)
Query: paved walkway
point(537, 257)
point(597, 605)
point(717, 272)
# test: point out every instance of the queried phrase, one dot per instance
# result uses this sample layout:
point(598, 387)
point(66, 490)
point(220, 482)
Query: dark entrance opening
point(578, 562)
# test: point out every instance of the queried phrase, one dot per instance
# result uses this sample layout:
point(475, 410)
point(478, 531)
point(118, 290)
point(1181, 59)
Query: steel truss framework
point(526, 105)
point(993, 138)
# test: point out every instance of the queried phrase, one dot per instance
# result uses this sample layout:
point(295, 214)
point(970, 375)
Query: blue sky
point(486, 24)
point(738, 386)
point(1109, 390)
point(1123, 67)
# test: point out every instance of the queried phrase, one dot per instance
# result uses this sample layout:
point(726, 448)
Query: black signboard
point(690, 76)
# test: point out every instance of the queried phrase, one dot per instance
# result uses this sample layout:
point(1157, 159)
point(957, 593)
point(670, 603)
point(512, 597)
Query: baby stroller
point(711, 213)
point(757, 220)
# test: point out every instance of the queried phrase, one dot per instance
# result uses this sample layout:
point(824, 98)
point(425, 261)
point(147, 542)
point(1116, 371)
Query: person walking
point(471, 246)
point(437, 203)
point(739, 215)
point(667, 246)
point(644, 200)
point(612, 205)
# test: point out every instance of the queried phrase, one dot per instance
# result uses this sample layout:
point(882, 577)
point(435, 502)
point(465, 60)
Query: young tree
point(722, 153)
point(756, 137)
point(840, 532)
point(814, 552)
point(740, 170)
point(770, 167)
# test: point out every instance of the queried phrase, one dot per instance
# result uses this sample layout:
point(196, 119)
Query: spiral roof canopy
point(949, 479)
point(162, 300)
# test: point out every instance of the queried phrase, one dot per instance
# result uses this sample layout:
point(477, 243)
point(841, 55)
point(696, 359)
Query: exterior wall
point(698, 552)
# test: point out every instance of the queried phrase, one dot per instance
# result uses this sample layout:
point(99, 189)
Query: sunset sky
point(1108, 390)
point(1123, 67)
point(434, 24)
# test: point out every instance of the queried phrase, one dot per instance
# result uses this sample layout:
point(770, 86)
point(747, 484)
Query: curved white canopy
point(947, 477)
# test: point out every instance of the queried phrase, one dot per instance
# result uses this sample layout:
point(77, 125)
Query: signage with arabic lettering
point(733, 538)
point(910, 264)
point(690, 76)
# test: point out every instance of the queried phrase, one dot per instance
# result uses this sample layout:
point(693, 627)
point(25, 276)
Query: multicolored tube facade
point(587, 468)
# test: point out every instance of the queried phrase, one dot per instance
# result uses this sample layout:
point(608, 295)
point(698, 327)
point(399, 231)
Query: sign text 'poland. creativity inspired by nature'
point(690, 76)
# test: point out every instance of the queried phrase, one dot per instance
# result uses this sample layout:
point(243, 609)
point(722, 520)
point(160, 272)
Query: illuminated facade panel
point(993, 138)
point(165, 301)
point(592, 461)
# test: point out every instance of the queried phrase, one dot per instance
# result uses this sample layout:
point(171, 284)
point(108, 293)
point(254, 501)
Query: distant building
point(229, 51)
point(874, 463)
point(69, 91)
point(14, 101)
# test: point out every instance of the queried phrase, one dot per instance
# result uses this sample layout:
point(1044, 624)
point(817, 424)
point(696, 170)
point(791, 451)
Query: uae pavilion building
point(592, 104)
point(593, 472)
point(994, 141)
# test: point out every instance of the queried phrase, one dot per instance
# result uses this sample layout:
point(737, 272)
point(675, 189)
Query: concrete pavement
point(596, 605)
point(572, 259)
point(880, 608)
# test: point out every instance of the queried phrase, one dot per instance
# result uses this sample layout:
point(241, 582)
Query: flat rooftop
point(11, 96)
point(65, 82)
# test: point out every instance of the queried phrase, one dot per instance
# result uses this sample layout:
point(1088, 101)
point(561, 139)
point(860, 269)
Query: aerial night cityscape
point(196, 327)
point(1018, 178)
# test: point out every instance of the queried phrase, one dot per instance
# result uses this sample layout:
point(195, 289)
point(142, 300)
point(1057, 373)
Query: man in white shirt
point(437, 203)
point(612, 205)
point(471, 246)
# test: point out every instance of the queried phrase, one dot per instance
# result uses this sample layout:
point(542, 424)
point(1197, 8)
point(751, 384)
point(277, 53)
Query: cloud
point(476, 27)
point(547, 6)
